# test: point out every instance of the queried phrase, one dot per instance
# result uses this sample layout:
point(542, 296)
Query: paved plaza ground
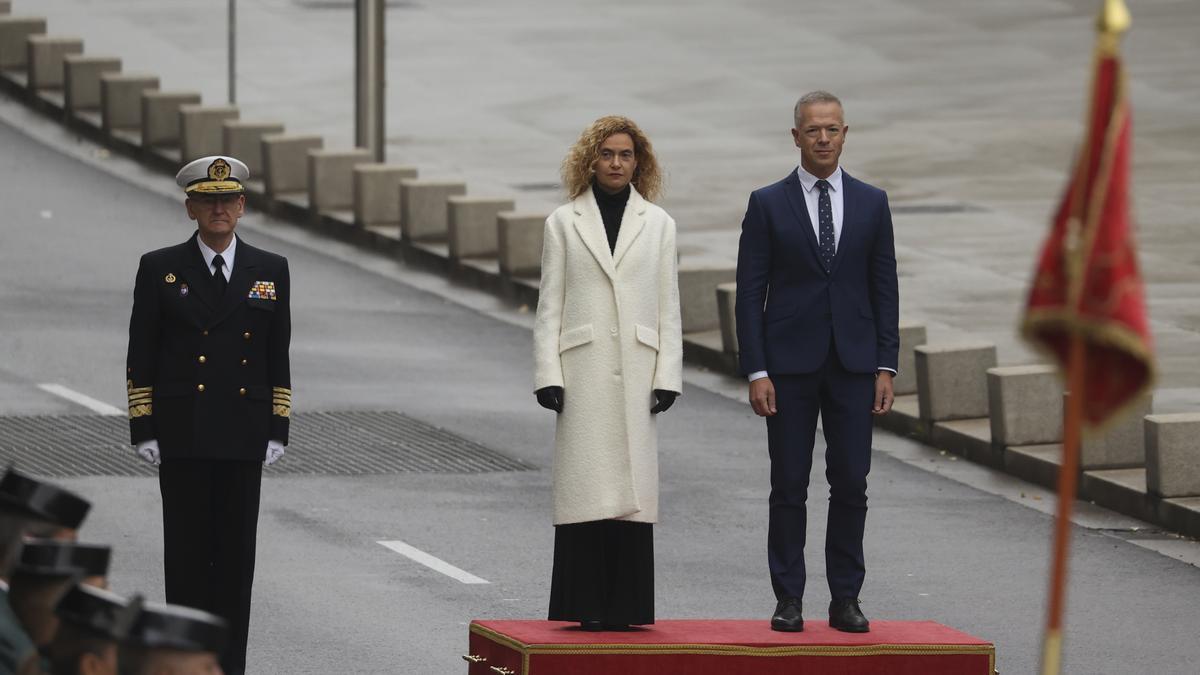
point(966, 112)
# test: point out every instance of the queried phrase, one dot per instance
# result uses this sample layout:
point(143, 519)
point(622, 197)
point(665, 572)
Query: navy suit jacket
point(789, 308)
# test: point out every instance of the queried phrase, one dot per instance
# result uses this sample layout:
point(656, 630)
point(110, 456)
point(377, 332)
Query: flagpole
point(1113, 21)
point(1068, 476)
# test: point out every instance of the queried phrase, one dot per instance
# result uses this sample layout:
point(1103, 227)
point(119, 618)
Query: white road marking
point(82, 399)
point(435, 564)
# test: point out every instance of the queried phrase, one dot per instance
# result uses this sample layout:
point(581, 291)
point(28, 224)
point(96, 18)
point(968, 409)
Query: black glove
point(550, 398)
point(665, 400)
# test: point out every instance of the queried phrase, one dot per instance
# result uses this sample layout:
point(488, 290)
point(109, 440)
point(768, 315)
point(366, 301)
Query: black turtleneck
point(612, 207)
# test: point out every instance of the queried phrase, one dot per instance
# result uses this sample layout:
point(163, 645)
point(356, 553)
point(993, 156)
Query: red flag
point(1087, 281)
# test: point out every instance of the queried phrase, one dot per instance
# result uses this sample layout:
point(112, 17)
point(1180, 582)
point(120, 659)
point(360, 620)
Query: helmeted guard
point(49, 511)
point(91, 623)
point(46, 570)
point(171, 638)
point(210, 392)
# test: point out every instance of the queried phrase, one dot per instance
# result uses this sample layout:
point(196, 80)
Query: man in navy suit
point(817, 323)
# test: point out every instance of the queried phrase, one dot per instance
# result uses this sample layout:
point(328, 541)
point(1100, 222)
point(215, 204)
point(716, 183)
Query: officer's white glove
point(274, 452)
point(148, 450)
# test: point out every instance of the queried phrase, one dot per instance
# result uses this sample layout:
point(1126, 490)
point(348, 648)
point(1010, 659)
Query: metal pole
point(369, 77)
point(232, 52)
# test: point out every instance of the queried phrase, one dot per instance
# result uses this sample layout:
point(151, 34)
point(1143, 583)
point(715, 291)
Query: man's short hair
point(70, 644)
point(818, 96)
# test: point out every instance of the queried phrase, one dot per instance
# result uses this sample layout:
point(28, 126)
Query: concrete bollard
point(121, 99)
point(912, 335)
point(1173, 455)
point(698, 296)
point(726, 304)
point(160, 116)
point(423, 212)
point(201, 129)
point(243, 140)
point(1025, 405)
point(81, 80)
point(519, 243)
point(952, 380)
point(331, 178)
point(377, 193)
point(45, 60)
point(1121, 444)
point(285, 162)
point(14, 36)
point(471, 225)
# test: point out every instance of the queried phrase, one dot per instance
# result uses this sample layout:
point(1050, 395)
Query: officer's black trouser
point(210, 522)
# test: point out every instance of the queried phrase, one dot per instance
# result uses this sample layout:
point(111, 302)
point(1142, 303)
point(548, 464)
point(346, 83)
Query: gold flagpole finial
point(1114, 17)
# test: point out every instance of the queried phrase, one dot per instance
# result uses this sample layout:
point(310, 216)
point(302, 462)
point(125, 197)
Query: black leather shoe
point(788, 618)
point(846, 616)
point(591, 626)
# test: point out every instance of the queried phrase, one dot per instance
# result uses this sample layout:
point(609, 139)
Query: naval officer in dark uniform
point(210, 393)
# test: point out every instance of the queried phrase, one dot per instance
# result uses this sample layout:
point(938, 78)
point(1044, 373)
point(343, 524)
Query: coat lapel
point(591, 229)
point(632, 223)
point(244, 264)
point(849, 193)
point(795, 195)
point(198, 276)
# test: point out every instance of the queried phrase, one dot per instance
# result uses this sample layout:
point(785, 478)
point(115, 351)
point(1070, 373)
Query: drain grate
point(324, 443)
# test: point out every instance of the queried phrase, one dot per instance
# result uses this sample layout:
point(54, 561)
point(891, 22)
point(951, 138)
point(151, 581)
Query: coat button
point(244, 362)
point(202, 359)
point(199, 387)
point(242, 391)
point(204, 333)
point(246, 335)
point(613, 331)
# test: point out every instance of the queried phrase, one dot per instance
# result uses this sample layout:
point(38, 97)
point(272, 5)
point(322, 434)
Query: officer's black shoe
point(846, 616)
point(617, 627)
point(788, 618)
point(591, 626)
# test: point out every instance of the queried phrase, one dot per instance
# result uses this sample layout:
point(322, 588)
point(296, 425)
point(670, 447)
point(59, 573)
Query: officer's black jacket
point(208, 376)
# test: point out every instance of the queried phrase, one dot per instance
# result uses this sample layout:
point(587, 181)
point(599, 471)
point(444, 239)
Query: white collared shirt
point(812, 196)
point(226, 255)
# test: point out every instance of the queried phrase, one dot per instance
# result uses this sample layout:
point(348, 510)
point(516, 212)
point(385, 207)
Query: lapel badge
point(170, 278)
point(183, 290)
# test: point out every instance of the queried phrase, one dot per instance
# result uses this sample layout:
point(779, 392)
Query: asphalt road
point(945, 541)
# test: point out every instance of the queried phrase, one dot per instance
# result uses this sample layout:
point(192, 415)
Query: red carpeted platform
point(725, 648)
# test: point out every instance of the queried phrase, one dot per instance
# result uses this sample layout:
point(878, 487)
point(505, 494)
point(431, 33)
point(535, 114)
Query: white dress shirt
point(812, 196)
point(226, 255)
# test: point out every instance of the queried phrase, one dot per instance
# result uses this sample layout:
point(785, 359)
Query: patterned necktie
point(826, 245)
point(219, 281)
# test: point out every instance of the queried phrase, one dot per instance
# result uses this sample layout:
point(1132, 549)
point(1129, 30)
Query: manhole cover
point(323, 443)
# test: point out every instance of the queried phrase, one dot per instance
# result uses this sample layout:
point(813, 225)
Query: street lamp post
point(232, 52)
point(369, 77)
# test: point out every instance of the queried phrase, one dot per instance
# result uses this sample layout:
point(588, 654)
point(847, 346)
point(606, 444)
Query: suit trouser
point(210, 523)
point(843, 400)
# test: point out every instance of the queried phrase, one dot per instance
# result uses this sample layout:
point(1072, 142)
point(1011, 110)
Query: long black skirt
point(603, 571)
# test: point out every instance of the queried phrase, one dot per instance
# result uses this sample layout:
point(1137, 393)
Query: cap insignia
point(218, 170)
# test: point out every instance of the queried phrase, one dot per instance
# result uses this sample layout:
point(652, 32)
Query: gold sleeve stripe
point(143, 410)
point(140, 399)
point(287, 399)
point(140, 390)
point(282, 411)
point(281, 390)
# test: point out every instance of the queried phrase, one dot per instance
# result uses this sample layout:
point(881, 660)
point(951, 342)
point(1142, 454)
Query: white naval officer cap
point(211, 175)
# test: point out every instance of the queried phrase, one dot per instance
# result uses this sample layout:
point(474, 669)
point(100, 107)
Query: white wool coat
point(608, 332)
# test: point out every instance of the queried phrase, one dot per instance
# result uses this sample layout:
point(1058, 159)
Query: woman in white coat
point(608, 350)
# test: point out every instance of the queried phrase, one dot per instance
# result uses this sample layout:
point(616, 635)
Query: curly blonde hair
point(577, 165)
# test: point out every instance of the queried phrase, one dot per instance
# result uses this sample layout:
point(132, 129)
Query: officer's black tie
point(826, 243)
point(219, 281)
